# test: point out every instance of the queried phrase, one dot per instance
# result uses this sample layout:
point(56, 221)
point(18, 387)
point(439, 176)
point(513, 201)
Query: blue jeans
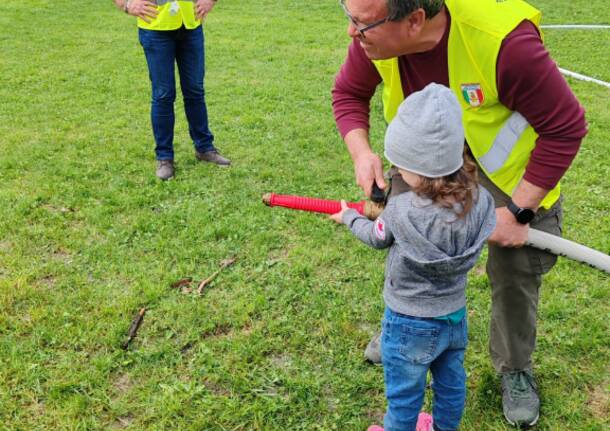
point(186, 48)
point(410, 346)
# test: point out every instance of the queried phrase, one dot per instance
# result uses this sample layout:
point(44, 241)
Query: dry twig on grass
point(182, 282)
point(225, 263)
point(133, 329)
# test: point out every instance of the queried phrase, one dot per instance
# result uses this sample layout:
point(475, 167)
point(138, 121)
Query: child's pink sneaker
point(424, 422)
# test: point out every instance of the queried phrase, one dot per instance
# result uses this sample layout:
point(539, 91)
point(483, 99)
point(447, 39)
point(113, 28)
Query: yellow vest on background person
point(501, 140)
point(172, 15)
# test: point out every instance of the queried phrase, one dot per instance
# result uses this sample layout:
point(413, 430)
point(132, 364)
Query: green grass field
point(88, 235)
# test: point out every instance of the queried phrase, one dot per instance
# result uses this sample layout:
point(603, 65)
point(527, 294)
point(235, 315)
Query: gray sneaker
point(372, 353)
point(213, 157)
point(520, 400)
point(165, 169)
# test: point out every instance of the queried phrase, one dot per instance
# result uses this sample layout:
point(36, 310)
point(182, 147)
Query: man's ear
point(416, 21)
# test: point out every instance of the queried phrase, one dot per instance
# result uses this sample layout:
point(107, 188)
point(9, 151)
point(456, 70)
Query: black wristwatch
point(523, 215)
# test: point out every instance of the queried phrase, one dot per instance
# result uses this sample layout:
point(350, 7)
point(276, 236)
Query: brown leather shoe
point(213, 157)
point(165, 169)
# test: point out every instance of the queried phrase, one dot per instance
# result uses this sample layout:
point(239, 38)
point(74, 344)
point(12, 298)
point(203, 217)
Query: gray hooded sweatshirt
point(431, 251)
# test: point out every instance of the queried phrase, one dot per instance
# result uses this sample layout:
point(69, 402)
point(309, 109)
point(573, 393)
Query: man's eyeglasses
point(361, 29)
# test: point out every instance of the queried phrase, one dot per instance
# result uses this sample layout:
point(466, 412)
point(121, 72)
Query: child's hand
point(339, 216)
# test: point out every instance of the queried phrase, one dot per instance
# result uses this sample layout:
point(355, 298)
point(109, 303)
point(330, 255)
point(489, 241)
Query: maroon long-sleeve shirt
point(528, 81)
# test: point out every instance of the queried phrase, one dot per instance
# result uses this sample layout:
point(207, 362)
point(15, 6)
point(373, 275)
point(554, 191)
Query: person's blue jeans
point(186, 49)
point(410, 346)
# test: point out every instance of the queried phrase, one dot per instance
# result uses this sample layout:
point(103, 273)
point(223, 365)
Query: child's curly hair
point(459, 187)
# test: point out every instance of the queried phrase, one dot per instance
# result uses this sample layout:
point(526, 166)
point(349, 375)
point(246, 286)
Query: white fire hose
point(570, 249)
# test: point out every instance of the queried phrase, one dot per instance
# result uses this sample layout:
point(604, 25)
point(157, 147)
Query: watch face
point(525, 215)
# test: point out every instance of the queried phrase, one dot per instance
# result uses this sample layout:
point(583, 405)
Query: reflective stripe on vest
point(503, 144)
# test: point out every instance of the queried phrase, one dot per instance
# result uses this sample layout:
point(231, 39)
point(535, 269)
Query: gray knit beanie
point(426, 136)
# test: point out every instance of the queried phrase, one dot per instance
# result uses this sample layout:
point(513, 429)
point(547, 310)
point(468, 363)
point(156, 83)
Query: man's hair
point(398, 9)
point(459, 187)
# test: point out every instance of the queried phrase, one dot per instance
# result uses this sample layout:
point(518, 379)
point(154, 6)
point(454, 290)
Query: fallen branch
point(225, 263)
point(182, 283)
point(133, 329)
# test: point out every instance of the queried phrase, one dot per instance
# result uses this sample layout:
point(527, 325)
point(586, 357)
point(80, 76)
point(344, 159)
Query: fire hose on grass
point(536, 238)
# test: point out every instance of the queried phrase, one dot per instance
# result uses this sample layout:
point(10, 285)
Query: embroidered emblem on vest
point(473, 95)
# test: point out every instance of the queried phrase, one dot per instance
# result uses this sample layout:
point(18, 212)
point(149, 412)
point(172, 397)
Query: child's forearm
point(373, 233)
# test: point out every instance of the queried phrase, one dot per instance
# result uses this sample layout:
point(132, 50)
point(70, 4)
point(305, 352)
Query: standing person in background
point(522, 123)
point(171, 32)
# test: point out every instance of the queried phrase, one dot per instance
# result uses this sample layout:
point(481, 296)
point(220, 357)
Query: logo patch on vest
point(379, 228)
point(473, 95)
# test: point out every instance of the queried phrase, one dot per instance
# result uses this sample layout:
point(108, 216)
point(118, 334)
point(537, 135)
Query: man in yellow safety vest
point(522, 123)
point(170, 31)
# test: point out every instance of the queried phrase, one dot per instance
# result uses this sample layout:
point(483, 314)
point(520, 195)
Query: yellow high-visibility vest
point(501, 140)
point(172, 15)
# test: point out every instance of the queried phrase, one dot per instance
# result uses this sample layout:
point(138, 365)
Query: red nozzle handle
point(324, 206)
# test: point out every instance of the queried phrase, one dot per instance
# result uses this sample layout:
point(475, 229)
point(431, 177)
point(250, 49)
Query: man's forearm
point(527, 195)
point(120, 4)
point(357, 142)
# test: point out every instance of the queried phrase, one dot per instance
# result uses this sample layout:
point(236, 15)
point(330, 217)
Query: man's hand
point(368, 168)
point(203, 7)
point(143, 9)
point(508, 232)
point(367, 165)
point(338, 217)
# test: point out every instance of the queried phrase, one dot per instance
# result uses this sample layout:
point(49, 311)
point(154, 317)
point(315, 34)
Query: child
point(435, 232)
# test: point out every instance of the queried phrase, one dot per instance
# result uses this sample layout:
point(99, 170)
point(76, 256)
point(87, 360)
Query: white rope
point(583, 26)
point(574, 74)
point(584, 77)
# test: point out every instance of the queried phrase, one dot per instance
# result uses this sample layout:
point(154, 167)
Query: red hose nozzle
point(302, 203)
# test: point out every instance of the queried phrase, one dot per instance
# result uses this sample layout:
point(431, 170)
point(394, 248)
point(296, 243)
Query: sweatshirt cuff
point(349, 216)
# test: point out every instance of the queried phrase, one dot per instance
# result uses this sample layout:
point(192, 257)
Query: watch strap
point(522, 215)
point(513, 208)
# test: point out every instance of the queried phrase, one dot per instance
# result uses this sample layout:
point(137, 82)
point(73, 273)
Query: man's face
point(383, 41)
